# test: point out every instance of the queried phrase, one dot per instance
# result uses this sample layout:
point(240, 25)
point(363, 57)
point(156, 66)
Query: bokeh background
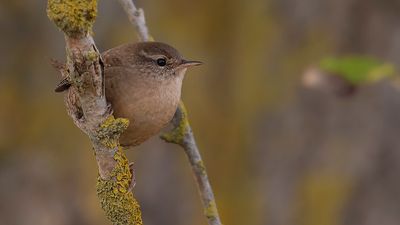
point(277, 153)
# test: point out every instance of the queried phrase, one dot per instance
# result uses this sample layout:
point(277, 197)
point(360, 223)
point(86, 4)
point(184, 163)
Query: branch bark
point(182, 133)
point(136, 17)
point(86, 104)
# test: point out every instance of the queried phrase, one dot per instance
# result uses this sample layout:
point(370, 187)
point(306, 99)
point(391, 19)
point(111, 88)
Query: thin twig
point(182, 135)
point(182, 132)
point(136, 17)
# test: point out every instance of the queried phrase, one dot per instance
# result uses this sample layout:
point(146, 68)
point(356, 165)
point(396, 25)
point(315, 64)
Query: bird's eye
point(161, 62)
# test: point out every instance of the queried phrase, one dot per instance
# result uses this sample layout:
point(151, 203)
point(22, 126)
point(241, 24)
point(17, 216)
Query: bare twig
point(182, 133)
point(136, 17)
point(86, 104)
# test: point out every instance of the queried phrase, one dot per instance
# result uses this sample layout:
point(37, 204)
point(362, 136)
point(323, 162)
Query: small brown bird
point(143, 84)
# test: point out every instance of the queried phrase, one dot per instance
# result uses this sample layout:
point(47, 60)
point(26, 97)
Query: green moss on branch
point(200, 167)
point(211, 211)
point(116, 200)
point(177, 134)
point(74, 17)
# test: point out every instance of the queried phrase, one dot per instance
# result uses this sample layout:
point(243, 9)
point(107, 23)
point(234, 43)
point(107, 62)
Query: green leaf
point(357, 69)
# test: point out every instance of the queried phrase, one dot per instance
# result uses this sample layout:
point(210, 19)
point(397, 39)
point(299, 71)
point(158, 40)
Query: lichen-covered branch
point(115, 197)
point(86, 104)
point(182, 133)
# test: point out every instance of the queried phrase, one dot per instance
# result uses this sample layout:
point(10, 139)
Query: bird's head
point(160, 60)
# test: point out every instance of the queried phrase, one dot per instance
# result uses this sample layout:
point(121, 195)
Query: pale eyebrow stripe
point(154, 57)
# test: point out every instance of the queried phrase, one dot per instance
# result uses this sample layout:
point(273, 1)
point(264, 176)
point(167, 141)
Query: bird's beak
point(190, 63)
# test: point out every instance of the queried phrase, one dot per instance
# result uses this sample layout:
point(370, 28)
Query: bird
point(143, 83)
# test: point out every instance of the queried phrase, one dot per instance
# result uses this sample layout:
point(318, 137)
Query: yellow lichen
point(117, 201)
point(201, 167)
point(110, 130)
point(211, 210)
point(177, 134)
point(74, 17)
point(151, 38)
point(92, 56)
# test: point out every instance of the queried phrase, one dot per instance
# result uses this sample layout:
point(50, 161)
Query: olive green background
point(277, 153)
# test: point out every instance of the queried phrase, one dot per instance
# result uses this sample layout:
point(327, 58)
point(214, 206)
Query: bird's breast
point(148, 103)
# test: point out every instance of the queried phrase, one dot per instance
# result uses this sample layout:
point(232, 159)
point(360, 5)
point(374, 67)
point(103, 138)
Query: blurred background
point(278, 152)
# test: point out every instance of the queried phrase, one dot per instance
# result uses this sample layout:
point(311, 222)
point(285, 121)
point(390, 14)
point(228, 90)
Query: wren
point(143, 83)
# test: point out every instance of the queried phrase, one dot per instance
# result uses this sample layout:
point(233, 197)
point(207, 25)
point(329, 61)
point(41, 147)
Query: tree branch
point(86, 104)
point(182, 135)
point(136, 17)
point(182, 132)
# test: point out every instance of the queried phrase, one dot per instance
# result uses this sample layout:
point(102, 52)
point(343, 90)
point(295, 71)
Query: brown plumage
point(143, 84)
point(141, 88)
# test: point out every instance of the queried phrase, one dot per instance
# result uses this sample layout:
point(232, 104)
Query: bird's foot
point(109, 109)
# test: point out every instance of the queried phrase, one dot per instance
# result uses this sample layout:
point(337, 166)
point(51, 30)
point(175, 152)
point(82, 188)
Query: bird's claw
point(109, 110)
